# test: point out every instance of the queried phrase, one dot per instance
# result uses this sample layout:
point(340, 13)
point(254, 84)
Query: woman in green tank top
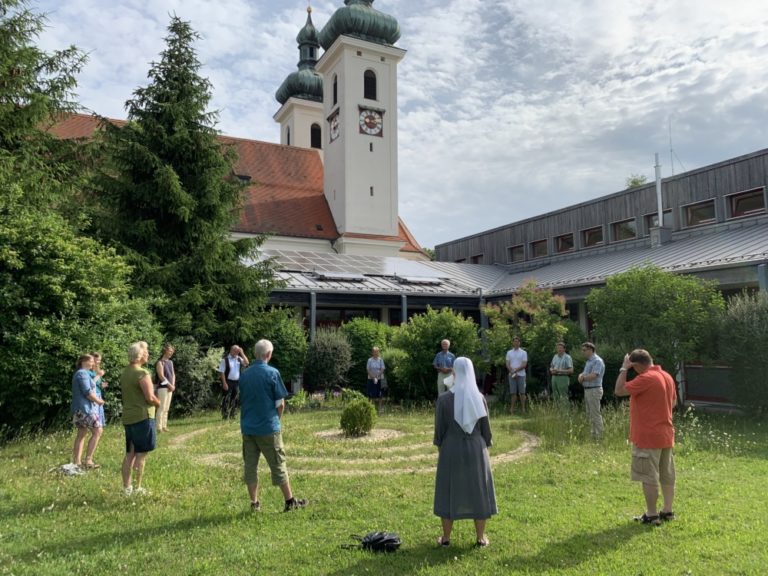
point(139, 403)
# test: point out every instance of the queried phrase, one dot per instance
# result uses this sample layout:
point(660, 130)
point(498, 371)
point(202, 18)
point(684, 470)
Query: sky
point(507, 108)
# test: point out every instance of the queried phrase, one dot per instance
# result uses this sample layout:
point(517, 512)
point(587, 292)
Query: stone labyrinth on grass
point(329, 453)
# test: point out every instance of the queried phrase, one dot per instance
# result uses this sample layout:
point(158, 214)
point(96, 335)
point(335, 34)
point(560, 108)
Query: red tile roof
point(77, 126)
point(285, 193)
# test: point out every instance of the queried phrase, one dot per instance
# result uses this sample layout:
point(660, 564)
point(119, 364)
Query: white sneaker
point(141, 491)
point(127, 490)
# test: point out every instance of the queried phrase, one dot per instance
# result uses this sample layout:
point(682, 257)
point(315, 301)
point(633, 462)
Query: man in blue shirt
point(443, 363)
point(262, 402)
point(591, 378)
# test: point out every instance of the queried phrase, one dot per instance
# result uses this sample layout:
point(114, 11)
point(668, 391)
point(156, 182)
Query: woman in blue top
point(85, 412)
point(375, 368)
point(97, 374)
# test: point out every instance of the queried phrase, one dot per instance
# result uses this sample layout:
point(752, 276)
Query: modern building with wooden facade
point(715, 226)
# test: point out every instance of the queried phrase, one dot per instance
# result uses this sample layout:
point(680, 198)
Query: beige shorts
point(653, 466)
point(272, 448)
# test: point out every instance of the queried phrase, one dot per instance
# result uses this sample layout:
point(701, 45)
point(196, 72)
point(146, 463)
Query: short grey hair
point(135, 351)
point(262, 349)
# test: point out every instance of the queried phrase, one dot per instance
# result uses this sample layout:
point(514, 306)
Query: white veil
point(468, 405)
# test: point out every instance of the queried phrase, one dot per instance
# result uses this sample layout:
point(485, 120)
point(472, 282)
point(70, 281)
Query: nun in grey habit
point(463, 484)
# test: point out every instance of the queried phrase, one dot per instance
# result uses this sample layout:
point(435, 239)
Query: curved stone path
point(338, 465)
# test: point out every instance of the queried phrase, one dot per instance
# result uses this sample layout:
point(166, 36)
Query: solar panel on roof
point(340, 276)
point(352, 263)
point(418, 280)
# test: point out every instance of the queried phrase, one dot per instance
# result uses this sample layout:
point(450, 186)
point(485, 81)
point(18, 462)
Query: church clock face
point(370, 122)
point(334, 127)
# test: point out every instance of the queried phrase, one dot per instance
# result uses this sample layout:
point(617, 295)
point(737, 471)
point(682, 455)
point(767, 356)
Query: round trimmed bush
point(358, 417)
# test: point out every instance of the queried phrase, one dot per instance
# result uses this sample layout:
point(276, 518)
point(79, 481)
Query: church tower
point(301, 95)
point(359, 71)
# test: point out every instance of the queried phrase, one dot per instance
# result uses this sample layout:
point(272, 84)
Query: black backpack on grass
point(378, 542)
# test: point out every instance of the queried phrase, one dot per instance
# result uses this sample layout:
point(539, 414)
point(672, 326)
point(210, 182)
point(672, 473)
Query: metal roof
point(708, 249)
point(325, 272)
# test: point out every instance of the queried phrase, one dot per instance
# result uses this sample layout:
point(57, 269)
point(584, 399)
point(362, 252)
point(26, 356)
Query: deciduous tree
point(420, 339)
point(61, 294)
point(670, 315)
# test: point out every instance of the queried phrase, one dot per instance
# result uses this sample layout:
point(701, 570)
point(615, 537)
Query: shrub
point(358, 417)
point(670, 315)
point(421, 339)
point(744, 332)
point(298, 401)
point(280, 326)
point(363, 334)
point(328, 360)
point(195, 376)
point(394, 359)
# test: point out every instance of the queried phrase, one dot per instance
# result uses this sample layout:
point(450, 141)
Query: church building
point(331, 185)
point(327, 197)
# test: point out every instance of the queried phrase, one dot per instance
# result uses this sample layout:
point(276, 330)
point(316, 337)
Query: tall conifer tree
point(173, 197)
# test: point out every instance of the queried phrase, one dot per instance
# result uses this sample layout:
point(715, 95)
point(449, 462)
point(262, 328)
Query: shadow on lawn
point(127, 536)
point(580, 548)
point(406, 560)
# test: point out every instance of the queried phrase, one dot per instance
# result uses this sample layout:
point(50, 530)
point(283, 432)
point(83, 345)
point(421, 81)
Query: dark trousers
point(231, 400)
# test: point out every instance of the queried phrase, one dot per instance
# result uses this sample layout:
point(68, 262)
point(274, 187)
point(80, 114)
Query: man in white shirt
point(229, 372)
point(517, 362)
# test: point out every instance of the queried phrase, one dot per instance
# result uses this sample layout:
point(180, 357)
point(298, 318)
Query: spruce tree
point(172, 198)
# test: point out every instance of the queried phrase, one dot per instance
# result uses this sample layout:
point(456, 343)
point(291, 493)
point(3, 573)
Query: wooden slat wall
point(716, 181)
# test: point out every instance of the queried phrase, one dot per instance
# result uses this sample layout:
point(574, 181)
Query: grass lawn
point(564, 508)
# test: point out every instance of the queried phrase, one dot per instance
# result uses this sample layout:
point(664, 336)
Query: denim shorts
point(516, 384)
point(141, 436)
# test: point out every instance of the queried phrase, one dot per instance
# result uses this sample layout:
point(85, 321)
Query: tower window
point(369, 85)
point(370, 146)
point(311, 52)
point(316, 136)
point(335, 89)
point(288, 135)
point(371, 190)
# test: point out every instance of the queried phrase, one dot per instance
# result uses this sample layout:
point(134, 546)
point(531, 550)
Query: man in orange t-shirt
point(652, 399)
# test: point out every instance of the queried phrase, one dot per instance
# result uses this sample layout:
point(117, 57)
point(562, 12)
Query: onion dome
point(360, 20)
point(306, 83)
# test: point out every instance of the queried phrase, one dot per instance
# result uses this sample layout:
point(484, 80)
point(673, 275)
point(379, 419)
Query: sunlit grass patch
point(565, 506)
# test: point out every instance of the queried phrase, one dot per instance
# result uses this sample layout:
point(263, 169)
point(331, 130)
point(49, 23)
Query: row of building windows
point(749, 203)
